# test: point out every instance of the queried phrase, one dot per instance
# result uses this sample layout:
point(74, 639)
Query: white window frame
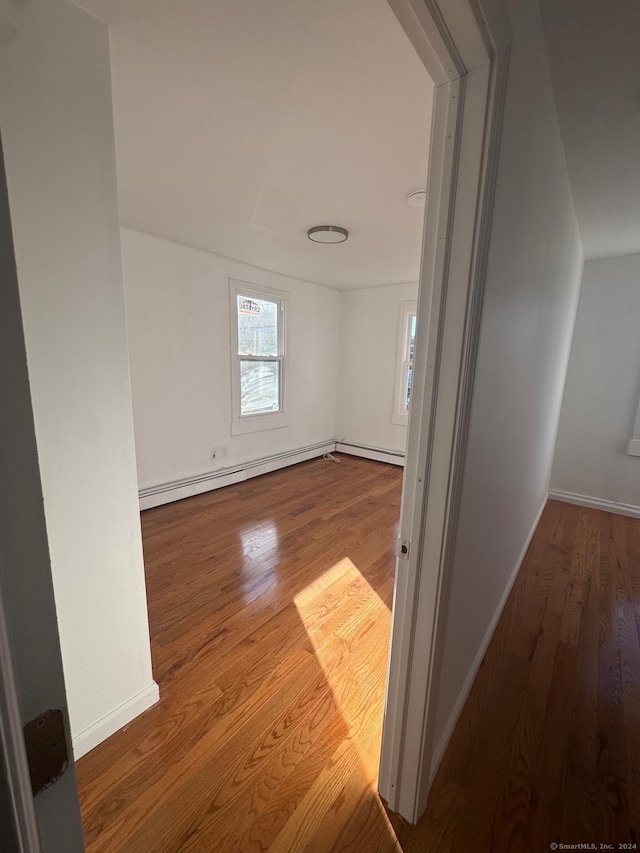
point(242, 424)
point(633, 448)
point(408, 310)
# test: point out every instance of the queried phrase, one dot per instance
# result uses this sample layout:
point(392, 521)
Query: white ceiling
point(594, 51)
point(242, 123)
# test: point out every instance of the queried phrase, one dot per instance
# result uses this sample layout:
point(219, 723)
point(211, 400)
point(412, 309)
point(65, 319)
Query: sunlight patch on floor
point(348, 628)
point(326, 579)
point(348, 624)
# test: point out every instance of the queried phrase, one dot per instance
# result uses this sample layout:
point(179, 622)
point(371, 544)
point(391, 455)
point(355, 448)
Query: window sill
point(633, 449)
point(257, 424)
point(400, 419)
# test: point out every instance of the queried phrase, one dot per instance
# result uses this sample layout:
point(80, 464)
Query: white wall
point(595, 67)
point(179, 327)
point(262, 119)
point(368, 365)
point(57, 129)
point(533, 280)
point(603, 386)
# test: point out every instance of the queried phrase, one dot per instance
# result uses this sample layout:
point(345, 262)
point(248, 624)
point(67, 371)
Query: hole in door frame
point(464, 44)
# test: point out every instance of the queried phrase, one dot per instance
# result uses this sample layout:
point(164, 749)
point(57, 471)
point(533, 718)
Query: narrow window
point(406, 348)
point(258, 358)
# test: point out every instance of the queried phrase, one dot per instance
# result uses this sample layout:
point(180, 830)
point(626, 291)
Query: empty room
point(319, 509)
point(271, 251)
point(271, 173)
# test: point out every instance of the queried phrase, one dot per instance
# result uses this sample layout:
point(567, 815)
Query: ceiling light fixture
point(417, 198)
point(328, 234)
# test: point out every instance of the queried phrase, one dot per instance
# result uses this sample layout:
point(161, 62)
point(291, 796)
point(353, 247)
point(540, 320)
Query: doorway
point(360, 327)
point(440, 299)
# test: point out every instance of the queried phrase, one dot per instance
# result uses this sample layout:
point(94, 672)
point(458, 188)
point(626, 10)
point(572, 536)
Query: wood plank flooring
point(269, 609)
point(547, 749)
point(269, 614)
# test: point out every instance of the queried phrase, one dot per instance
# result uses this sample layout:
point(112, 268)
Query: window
point(633, 448)
point(406, 347)
point(257, 340)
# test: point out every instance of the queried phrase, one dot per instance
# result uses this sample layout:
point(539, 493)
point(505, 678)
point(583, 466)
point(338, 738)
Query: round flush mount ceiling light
point(417, 198)
point(328, 234)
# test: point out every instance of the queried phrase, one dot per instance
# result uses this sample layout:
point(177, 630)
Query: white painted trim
point(378, 454)
point(398, 782)
point(443, 742)
point(242, 425)
point(176, 490)
point(474, 52)
point(633, 448)
point(408, 309)
point(165, 493)
point(112, 722)
point(13, 754)
point(258, 423)
point(417, 22)
point(394, 737)
point(469, 329)
point(400, 419)
point(595, 503)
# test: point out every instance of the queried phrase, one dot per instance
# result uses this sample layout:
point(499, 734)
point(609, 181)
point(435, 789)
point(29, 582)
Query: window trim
point(242, 424)
point(408, 309)
point(633, 447)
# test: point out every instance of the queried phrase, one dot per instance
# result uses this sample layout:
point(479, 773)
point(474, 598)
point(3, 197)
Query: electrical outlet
point(214, 453)
point(224, 450)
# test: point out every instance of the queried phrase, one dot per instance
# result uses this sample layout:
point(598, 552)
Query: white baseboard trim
point(165, 493)
point(595, 503)
point(482, 650)
point(378, 454)
point(175, 491)
point(94, 734)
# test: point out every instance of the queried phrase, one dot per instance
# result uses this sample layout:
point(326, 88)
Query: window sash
point(265, 413)
point(255, 297)
point(404, 369)
point(406, 386)
point(261, 419)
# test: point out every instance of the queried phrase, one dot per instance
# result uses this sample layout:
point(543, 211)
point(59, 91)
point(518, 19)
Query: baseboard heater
point(379, 454)
point(175, 490)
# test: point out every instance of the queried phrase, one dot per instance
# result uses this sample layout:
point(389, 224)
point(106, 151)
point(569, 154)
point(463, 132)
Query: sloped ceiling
point(239, 125)
point(594, 52)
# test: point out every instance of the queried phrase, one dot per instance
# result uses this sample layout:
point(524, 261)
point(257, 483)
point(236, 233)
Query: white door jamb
point(465, 47)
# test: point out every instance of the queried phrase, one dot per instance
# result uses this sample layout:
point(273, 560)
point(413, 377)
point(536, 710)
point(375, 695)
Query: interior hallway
point(547, 749)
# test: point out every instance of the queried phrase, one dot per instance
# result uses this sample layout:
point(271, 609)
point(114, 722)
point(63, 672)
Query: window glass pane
point(409, 366)
point(259, 387)
point(412, 335)
point(257, 326)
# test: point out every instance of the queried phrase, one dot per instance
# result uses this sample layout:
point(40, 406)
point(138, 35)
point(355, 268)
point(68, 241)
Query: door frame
point(464, 45)
point(21, 829)
point(31, 674)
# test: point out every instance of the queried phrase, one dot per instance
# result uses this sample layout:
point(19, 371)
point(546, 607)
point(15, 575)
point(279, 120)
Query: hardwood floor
point(547, 749)
point(269, 608)
point(269, 615)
